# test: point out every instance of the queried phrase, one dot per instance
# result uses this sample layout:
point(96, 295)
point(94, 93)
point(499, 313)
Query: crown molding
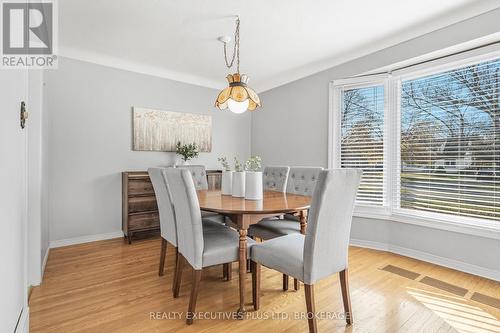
point(136, 67)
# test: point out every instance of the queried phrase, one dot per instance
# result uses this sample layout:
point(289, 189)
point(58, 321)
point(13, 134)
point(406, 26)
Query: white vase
point(180, 162)
point(238, 189)
point(253, 185)
point(227, 183)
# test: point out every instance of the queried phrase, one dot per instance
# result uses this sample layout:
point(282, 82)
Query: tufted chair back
point(329, 223)
point(168, 227)
point(187, 215)
point(302, 180)
point(199, 175)
point(274, 178)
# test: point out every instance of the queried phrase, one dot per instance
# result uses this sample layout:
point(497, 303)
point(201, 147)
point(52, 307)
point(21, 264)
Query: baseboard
point(442, 261)
point(23, 326)
point(44, 263)
point(84, 239)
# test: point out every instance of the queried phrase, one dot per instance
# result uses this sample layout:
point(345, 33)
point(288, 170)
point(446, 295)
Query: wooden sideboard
point(139, 208)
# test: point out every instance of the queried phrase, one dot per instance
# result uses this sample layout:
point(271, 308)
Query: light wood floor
point(110, 286)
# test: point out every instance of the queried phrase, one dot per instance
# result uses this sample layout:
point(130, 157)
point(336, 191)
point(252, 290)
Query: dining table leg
point(303, 221)
point(242, 269)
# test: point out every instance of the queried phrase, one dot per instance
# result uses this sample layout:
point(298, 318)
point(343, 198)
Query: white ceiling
point(280, 40)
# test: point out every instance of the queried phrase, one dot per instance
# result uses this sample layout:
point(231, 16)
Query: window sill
point(464, 225)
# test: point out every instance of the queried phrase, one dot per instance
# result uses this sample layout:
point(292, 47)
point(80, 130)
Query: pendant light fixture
point(238, 96)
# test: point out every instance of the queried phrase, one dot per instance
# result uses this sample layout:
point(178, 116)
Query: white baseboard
point(442, 261)
point(44, 263)
point(84, 239)
point(24, 322)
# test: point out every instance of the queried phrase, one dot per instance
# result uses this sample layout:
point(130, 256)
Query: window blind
point(362, 140)
point(450, 142)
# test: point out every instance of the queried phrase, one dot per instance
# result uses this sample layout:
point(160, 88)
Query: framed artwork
point(156, 130)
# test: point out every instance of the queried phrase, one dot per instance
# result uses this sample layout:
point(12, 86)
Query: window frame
point(334, 160)
point(392, 153)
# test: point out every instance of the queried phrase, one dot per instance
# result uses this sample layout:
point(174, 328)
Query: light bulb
point(237, 107)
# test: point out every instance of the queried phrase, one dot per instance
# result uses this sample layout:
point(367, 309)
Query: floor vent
point(485, 299)
point(451, 288)
point(401, 272)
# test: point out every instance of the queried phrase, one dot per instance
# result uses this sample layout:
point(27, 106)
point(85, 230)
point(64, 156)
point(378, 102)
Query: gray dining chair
point(274, 178)
point(199, 174)
point(323, 250)
point(301, 181)
point(198, 246)
point(168, 228)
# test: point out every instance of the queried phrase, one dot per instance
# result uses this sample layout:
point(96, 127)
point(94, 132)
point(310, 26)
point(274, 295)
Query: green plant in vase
point(238, 167)
point(254, 163)
point(225, 164)
point(253, 178)
point(187, 151)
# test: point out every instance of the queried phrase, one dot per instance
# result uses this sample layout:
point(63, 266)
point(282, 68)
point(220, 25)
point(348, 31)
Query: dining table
point(243, 213)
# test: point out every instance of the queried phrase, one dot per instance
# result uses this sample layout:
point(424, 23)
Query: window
point(362, 139)
point(429, 144)
point(450, 142)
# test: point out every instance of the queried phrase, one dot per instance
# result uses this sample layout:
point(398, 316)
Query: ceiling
point(281, 41)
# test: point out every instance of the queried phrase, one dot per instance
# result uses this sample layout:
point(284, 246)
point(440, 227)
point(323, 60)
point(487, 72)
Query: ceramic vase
point(238, 189)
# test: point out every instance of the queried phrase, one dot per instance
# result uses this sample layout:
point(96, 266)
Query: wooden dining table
point(244, 213)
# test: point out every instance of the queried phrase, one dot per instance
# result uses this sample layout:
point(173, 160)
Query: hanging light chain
point(236, 48)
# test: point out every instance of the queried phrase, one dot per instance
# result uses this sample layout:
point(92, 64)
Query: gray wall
point(292, 128)
point(89, 135)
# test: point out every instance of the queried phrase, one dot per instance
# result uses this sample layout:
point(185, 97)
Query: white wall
point(90, 138)
point(292, 128)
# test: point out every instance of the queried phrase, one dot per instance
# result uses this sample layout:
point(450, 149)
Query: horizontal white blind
point(362, 140)
point(450, 142)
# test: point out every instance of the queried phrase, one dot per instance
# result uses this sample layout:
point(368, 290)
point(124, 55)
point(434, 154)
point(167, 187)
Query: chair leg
point(255, 285)
point(163, 253)
point(176, 254)
point(296, 284)
point(194, 295)
point(285, 282)
point(249, 269)
point(229, 271)
point(178, 274)
point(344, 285)
point(311, 312)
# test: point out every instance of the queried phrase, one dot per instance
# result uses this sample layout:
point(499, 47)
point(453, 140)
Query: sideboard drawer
point(140, 187)
point(142, 204)
point(144, 221)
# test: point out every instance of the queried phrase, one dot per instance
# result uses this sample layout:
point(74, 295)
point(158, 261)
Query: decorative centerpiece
point(238, 189)
point(187, 152)
point(253, 178)
point(227, 177)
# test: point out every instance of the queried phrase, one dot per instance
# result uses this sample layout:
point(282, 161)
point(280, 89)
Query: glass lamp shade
point(237, 107)
point(238, 97)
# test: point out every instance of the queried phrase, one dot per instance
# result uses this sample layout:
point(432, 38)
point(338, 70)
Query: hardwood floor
point(110, 286)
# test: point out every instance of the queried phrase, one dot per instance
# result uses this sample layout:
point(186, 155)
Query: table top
point(273, 202)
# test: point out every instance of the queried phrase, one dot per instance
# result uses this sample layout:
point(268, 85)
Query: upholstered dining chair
point(323, 250)
point(301, 181)
point(168, 228)
point(199, 174)
point(274, 178)
point(198, 246)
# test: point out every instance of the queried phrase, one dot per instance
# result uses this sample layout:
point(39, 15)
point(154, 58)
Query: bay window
point(428, 143)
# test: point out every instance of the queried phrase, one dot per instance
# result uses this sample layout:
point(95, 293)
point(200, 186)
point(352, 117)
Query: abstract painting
point(156, 130)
